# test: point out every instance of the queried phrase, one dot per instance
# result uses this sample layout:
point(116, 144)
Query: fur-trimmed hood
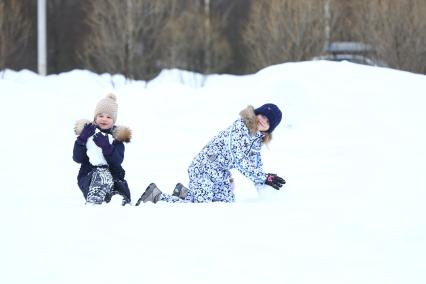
point(249, 117)
point(120, 133)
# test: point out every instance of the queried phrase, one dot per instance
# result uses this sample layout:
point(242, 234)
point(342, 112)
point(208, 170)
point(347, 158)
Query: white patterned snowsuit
point(209, 173)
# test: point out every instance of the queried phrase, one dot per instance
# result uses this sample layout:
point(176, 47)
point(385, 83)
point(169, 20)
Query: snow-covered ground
point(352, 147)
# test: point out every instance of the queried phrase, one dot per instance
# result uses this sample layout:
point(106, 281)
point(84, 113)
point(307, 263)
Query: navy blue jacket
point(114, 160)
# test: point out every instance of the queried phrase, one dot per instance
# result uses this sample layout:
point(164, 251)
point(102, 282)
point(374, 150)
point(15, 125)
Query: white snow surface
point(352, 147)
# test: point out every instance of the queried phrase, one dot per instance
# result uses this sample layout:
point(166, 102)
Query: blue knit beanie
point(272, 112)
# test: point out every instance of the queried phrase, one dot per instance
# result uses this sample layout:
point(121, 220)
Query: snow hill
point(352, 147)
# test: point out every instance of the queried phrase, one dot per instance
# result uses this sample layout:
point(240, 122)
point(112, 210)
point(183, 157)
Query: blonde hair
point(267, 138)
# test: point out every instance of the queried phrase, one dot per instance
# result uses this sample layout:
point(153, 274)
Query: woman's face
point(262, 122)
point(104, 121)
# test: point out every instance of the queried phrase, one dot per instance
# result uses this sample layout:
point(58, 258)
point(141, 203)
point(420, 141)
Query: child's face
point(262, 122)
point(104, 121)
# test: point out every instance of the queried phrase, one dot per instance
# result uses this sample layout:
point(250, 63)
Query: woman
point(238, 147)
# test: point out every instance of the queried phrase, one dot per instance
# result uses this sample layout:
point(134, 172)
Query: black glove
point(274, 181)
point(88, 130)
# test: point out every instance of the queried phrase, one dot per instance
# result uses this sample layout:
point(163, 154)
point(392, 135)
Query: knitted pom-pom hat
point(272, 112)
point(109, 106)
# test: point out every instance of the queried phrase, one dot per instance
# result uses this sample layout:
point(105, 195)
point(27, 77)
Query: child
point(99, 149)
point(238, 147)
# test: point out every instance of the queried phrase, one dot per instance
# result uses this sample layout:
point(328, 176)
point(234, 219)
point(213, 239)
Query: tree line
point(138, 38)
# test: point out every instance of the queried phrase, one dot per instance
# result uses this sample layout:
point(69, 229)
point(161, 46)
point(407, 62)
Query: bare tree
point(122, 36)
point(284, 30)
point(65, 29)
point(345, 25)
point(233, 15)
point(396, 28)
point(14, 31)
point(190, 41)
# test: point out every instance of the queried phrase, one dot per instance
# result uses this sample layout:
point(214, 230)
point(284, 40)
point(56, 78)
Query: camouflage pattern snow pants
point(101, 184)
point(203, 189)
